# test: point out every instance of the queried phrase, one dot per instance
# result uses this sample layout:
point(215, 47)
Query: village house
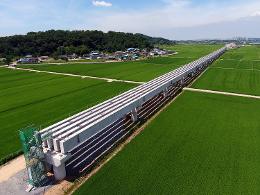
point(43, 58)
point(28, 59)
point(94, 55)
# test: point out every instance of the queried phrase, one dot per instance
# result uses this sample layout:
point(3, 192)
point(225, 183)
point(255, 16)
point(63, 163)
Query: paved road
point(17, 184)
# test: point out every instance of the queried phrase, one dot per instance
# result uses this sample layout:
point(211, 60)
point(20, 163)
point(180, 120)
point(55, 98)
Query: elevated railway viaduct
point(75, 144)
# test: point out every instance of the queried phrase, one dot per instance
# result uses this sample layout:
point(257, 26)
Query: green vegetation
point(144, 70)
point(235, 81)
point(201, 144)
point(58, 42)
point(192, 51)
point(42, 99)
point(237, 71)
point(10, 156)
point(244, 53)
point(136, 71)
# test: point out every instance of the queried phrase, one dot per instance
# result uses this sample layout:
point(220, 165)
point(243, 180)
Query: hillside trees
point(59, 42)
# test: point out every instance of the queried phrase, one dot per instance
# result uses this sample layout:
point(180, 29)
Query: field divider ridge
point(80, 76)
point(221, 93)
point(226, 68)
point(143, 93)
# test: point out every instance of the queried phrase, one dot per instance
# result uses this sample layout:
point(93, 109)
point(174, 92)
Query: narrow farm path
point(224, 68)
point(81, 76)
point(221, 93)
point(11, 168)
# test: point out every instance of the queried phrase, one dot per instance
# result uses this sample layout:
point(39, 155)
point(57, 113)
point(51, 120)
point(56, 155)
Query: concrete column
point(134, 115)
point(56, 145)
point(164, 93)
point(182, 81)
point(50, 144)
point(44, 143)
point(59, 172)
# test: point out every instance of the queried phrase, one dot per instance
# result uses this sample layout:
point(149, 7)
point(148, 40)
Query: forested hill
point(158, 40)
point(58, 42)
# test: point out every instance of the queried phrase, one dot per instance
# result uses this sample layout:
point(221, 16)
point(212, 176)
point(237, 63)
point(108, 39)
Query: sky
point(172, 19)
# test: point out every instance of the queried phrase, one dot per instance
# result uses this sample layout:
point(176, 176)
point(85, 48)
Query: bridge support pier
point(164, 93)
point(61, 142)
point(50, 144)
point(134, 115)
point(59, 172)
point(182, 82)
point(45, 144)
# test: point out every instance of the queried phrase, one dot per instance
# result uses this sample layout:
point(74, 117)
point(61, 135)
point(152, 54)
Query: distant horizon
point(171, 19)
point(200, 39)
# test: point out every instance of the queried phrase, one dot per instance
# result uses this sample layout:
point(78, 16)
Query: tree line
point(58, 42)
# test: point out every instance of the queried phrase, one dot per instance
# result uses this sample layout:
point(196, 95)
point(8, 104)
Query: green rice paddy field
point(43, 99)
point(238, 71)
point(201, 144)
point(144, 70)
point(192, 51)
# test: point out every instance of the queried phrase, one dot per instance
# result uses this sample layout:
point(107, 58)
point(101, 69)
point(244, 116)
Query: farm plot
point(234, 81)
point(43, 99)
point(225, 63)
point(241, 75)
point(192, 51)
point(144, 70)
point(133, 71)
point(256, 65)
point(216, 152)
point(244, 53)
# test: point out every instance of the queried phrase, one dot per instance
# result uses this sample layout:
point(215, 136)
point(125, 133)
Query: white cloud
point(256, 13)
point(171, 19)
point(101, 3)
point(175, 14)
